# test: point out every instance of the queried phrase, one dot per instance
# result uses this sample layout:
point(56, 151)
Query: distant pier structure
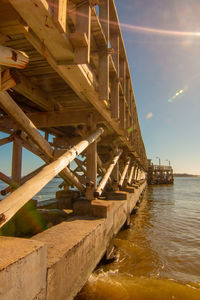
point(159, 174)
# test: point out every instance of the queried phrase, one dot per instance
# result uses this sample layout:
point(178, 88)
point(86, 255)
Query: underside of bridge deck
point(66, 95)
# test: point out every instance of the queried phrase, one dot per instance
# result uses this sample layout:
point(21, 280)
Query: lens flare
point(177, 94)
point(159, 31)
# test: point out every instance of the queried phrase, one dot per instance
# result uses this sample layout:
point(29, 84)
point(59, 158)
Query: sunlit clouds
point(149, 116)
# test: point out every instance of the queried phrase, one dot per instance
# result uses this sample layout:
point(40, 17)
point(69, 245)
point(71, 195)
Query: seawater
point(159, 256)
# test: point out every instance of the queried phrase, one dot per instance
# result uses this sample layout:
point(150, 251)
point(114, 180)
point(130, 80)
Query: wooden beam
point(131, 175)
point(12, 203)
point(83, 28)
point(37, 15)
point(6, 140)
point(13, 58)
point(21, 119)
point(30, 90)
point(16, 161)
point(91, 156)
point(69, 117)
point(114, 39)
point(104, 55)
point(60, 14)
point(104, 180)
point(8, 180)
point(124, 173)
point(7, 81)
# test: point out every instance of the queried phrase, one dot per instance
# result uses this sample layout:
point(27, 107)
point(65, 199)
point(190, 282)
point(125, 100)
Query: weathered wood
point(114, 39)
point(13, 58)
point(60, 14)
point(8, 180)
point(16, 161)
point(63, 118)
point(104, 55)
point(12, 203)
point(37, 15)
point(30, 90)
point(7, 81)
point(104, 180)
point(124, 173)
point(83, 26)
point(21, 119)
point(6, 140)
point(131, 175)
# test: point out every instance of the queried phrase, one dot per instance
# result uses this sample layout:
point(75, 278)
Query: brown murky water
point(159, 256)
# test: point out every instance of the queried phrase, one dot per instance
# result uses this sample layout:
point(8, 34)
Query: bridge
point(66, 95)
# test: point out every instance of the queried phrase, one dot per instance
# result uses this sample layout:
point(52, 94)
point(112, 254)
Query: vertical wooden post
point(59, 8)
point(103, 55)
point(91, 162)
point(122, 112)
point(83, 25)
point(16, 161)
point(115, 173)
point(114, 40)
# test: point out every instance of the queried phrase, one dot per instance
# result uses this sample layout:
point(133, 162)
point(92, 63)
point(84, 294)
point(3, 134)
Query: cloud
point(149, 115)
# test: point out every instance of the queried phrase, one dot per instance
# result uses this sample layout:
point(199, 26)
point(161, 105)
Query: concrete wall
point(22, 269)
point(56, 263)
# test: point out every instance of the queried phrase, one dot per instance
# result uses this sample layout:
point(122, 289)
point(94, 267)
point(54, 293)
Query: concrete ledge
point(75, 246)
point(74, 249)
point(22, 269)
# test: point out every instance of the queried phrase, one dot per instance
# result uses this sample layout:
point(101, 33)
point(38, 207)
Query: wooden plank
point(12, 203)
point(12, 58)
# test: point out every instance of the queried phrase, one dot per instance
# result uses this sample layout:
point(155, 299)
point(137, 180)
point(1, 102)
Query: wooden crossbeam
point(69, 117)
point(12, 203)
point(30, 90)
point(25, 123)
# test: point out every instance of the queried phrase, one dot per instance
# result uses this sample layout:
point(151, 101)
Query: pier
point(66, 96)
point(159, 174)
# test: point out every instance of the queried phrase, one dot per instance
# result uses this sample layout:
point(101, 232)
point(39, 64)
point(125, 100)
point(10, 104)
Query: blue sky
point(161, 64)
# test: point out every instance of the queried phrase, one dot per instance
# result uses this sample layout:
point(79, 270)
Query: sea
point(159, 255)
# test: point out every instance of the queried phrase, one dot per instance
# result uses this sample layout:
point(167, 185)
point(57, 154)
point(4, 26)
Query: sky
point(162, 40)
